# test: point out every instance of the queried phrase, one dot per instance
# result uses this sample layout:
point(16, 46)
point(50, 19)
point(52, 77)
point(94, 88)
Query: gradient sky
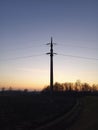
point(27, 25)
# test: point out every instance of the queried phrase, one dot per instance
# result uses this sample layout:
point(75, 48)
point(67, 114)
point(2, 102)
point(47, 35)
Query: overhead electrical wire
point(22, 48)
point(81, 57)
point(22, 57)
point(78, 46)
point(37, 55)
point(41, 45)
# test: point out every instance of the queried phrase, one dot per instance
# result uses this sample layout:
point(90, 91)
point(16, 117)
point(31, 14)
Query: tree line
point(69, 86)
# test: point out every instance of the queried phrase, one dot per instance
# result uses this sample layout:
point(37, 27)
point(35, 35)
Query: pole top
point(51, 40)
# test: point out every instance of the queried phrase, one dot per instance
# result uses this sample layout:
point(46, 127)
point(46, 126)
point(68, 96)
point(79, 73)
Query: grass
point(30, 111)
point(88, 119)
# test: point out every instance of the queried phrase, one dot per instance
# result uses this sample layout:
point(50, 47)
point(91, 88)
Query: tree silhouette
point(77, 86)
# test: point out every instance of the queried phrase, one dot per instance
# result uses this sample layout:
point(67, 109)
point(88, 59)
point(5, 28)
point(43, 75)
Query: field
point(27, 111)
point(31, 111)
point(88, 119)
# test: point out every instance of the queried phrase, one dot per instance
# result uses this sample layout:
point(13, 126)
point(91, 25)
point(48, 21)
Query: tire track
point(63, 122)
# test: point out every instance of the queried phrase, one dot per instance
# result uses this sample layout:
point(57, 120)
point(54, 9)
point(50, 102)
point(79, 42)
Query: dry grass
point(88, 119)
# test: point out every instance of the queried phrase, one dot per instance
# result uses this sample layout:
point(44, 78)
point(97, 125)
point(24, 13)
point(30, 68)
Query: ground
point(88, 119)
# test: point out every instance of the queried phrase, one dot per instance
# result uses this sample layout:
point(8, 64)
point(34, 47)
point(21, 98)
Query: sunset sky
point(26, 26)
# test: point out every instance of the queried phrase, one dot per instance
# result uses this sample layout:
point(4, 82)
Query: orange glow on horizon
point(37, 85)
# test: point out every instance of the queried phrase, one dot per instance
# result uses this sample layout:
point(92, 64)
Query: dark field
point(88, 119)
point(27, 111)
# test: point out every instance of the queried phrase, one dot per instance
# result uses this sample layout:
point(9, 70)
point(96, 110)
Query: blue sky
point(27, 25)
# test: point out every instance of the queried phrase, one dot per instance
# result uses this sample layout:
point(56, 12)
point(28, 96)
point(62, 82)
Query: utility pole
point(51, 53)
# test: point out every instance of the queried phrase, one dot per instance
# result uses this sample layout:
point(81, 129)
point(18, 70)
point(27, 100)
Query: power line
point(22, 57)
point(21, 48)
point(34, 46)
point(37, 55)
point(78, 46)
point(74, 56)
